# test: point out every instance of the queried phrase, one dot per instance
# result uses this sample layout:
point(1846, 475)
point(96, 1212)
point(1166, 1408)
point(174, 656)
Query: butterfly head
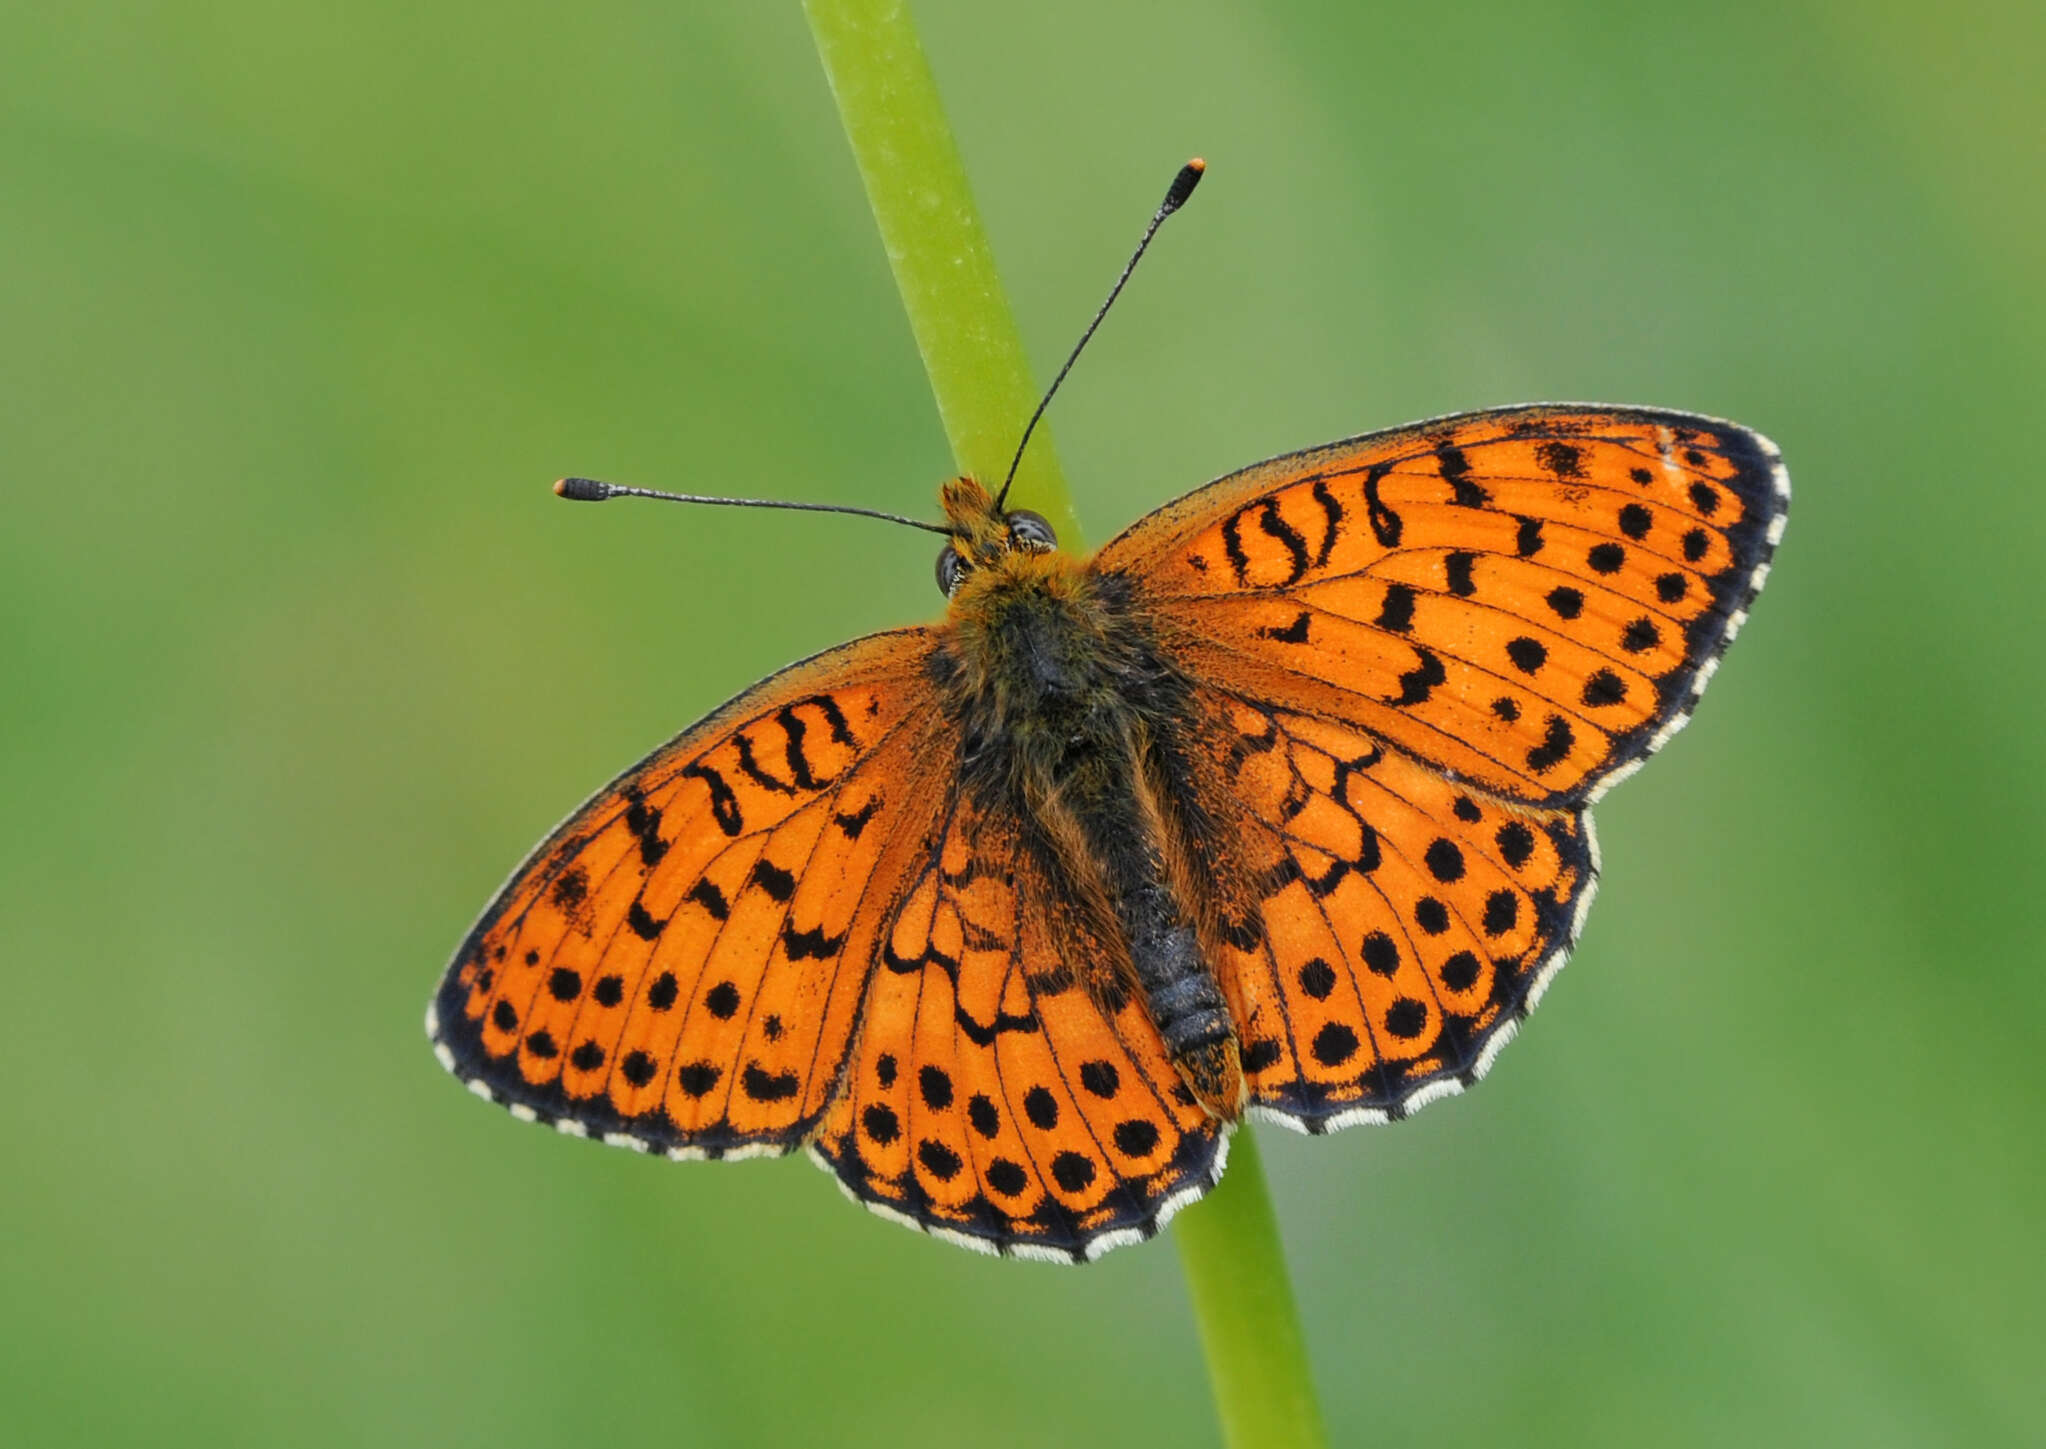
point(984, 536)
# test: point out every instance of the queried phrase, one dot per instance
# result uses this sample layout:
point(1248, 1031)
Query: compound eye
point(1031, 531)
point(951, 570)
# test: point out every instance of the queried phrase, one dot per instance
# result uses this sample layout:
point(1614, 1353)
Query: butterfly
point(1277, 806)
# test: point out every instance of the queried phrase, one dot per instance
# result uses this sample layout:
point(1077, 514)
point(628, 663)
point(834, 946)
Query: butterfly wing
point(1419, 656)
point(991, 1099)
point(1407, 924)
point(1530, 599)
point(680, 967)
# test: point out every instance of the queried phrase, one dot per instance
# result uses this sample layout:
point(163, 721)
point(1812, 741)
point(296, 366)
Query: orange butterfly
point(1277, 805)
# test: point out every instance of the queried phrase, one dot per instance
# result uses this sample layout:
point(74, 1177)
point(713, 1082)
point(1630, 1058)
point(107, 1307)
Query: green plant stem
point(1243, 1302)
point(944, 268)
point(943, 265)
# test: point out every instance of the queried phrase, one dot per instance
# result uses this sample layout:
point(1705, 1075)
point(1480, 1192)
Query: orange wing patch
point(1408, 922)
point(680, 966)
point(1530, 599)
point(991, 1100)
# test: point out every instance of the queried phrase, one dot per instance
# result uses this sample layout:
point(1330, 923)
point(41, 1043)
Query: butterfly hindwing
point(992, 1099)
point(1528, 598)
point(1407, 923)
point(680, 966)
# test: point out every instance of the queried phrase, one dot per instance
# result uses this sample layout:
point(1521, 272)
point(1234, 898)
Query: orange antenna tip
point(1183, 186)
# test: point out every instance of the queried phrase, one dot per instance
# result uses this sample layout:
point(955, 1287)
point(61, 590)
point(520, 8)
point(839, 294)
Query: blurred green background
point(304, 306)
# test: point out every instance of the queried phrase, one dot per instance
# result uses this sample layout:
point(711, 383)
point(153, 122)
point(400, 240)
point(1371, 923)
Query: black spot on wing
point(1334, 1044)
point(1325, 884)
point(1398, 611)
point(778, 883)
point(1527, 654)
point(935, 1086)
point(1562, 459)
point(570, 889)
point(938, 1160)
point(1334, 512)
point(749, 765)
point(1273, 523)
point(1100, 1078)
point(984, 1034)
point(1041, 1108)
point(1604, 688)
point(852, 824)
point(985, 1117)
point(707, 895)
point(1232, 545)
point(1455, 469)
point(798, 759)
point(834, 719)
point(1257, 1055)
point(880, 1123)
point(724, 805)
point(1555, 746)
point(803, 945)
point(1406, 1018)
point(1072, 1171)
point(1293, 633)
point(763, 1086)
point(1420, 681)
point(643, 924)
point(644, 821)
point(1385, 524)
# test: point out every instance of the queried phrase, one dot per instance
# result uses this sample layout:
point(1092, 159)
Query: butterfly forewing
point(1529, 599)
point(681, 964)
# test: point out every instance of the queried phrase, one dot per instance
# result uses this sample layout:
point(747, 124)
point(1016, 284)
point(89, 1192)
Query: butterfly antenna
point(1175, 197)
point(589, 490)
